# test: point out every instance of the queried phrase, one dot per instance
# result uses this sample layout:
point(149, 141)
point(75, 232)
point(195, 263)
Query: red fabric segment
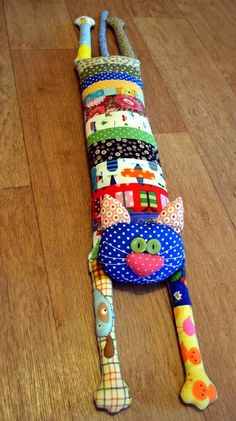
point(136, 188)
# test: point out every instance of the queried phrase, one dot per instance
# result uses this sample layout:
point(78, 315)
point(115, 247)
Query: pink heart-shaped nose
point(144, 264)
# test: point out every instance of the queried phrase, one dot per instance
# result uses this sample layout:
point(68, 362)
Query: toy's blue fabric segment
point(85, 37)
point(178, 289)
point(110, 76)
point(102, 34)
point(137, 217)
point(118, 260)
point(103, 313)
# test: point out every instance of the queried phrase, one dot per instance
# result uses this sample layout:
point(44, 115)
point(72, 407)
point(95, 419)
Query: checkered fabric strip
point(101, 280)
point(113, 391)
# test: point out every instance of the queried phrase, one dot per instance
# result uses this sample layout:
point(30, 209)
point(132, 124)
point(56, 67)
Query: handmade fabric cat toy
point(137, 230)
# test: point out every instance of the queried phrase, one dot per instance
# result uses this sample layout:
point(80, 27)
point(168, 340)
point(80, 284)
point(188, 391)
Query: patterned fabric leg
point(113, 393)
point(123, 42)
point(198, 389)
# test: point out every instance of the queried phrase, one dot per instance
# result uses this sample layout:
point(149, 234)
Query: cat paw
point(199, 391)
point(113, 398)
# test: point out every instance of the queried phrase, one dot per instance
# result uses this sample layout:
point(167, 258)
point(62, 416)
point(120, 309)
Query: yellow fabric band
point(84, 51)
point(121, 86)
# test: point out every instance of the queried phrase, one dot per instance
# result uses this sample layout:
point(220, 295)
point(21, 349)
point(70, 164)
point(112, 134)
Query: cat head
point(144, 252)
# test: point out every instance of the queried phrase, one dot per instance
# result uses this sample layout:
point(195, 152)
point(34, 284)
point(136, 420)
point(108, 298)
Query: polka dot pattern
point(173, 215)
point(89, 63)
point(122, 132)
point(112, 212)
point(102, 68)
point(108, 76)
point(110, 149)
point(115, 247)
point(143, 264)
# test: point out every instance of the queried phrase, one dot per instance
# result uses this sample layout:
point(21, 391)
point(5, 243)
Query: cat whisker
point(128, 280)
point(167, 251)
point(109, 257)
point(115, 264)
point(174, 258)
point(116, 248)
point(171, 266)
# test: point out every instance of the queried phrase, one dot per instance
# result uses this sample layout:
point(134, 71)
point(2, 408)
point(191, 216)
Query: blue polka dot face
point(140, 253)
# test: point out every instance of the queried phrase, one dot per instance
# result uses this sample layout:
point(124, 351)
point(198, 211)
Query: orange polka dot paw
point(199, 392)
point(193, 354)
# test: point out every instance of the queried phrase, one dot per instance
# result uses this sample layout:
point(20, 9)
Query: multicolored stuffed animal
point(137, 230)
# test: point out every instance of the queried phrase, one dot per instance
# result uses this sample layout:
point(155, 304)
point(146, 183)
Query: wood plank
point(53, 127)
point(32, 382)
point(39, 24)
point(202, 96)
point(210, 240)
point(161, 111)
point(154, 8)
point(206, 19)
point(13, 162)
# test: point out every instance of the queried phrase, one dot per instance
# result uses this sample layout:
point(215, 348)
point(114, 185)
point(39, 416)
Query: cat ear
point(112, 212)
point(172, 215)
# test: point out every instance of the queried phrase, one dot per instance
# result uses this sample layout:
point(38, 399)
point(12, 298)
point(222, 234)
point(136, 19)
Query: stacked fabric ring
point(122, 149)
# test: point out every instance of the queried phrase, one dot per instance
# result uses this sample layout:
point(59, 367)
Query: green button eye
point(138, 245)
point(153, 246)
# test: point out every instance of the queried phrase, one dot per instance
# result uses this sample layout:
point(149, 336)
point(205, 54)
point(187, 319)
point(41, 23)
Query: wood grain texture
point(32, 385)
point(202, 96)
point(13, 162)
point(154, 8)
point(49, 359)
point(162, 113)
point(39, 24)
point(53, 127)
point(214, 24)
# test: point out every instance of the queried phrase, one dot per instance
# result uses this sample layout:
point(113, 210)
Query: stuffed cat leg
point(112, 394)
point(198, 390)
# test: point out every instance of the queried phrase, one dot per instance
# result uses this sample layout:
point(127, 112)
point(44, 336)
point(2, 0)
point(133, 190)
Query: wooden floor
point(48, 355)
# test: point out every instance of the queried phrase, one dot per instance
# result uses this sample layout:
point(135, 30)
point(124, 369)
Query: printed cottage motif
point(137, 229)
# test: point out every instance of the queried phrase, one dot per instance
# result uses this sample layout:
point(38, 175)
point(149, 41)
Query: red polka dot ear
point(113, 212)
point(172, 215)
